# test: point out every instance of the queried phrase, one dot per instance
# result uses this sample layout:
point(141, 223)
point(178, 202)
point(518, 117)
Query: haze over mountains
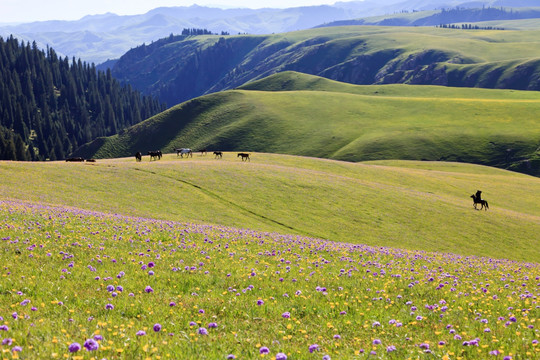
point(96, 38)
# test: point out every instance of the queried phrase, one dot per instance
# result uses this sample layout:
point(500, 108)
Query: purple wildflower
point(141, 333)
point(74, 347)
point(202, 331)
point(264, 350)
point(157, 327)
point(91, 345)
point(281, 356)
point(313, 348)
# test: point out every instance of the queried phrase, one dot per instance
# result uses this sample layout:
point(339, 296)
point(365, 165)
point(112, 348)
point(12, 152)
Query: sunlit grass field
point(190, 258)
point(413, 205)
point(84, 285)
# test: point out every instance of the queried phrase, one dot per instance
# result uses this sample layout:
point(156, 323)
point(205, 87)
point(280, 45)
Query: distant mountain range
point(98, 38)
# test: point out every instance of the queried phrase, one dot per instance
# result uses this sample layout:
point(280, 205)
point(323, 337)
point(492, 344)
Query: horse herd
point(157, 154)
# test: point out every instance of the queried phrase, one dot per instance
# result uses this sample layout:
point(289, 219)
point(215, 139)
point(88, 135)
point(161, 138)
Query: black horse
point(218, 154)
point(244, 156)
point(138, 156)
point(483, 203)
point(156, 155)
point(202, 151)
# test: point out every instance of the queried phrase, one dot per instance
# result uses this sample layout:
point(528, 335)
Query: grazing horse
point(202, 151)
point(245, 156)
point(156, 155)
point(483, 203)
point(218, 154)
point(138, 156)
point(182, 151)
point(75, 159)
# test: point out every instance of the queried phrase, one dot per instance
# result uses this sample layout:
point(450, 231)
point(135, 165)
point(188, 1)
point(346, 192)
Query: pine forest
point(51, 105)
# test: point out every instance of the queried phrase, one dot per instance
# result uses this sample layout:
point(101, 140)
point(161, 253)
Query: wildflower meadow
point(77, 284)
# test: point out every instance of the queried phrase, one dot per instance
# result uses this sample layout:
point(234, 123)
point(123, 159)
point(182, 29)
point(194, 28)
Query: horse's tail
point(487, 206)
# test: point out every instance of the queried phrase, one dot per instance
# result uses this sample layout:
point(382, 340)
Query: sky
point(13, 11)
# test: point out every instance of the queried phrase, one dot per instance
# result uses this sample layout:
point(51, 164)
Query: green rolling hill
point(179, 68)
point(298, 114)
point(403, 204)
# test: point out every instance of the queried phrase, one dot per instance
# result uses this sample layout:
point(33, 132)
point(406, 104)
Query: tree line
point(51, 105)
point(468, 27)
point(194, 31)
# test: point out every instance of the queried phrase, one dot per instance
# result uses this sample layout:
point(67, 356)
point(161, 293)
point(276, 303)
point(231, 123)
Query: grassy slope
point(346, 122)
point(416, 205)
point(525, 24)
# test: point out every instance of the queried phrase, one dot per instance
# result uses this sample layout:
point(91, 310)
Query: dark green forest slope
point(49, 105)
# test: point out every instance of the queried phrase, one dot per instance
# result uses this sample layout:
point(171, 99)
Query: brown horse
point(156, 155)
point(245, 156)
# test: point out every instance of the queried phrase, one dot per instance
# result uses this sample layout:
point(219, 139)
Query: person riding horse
point(478, 195)
point(478, 200)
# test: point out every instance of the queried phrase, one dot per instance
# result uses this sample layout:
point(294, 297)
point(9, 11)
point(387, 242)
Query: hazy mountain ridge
point(113, 35)
point(97, 38)
point(444, 17)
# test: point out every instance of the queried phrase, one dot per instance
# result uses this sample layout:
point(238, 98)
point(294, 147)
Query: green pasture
point(403, 204)
point(292, 113)
point(485, 45)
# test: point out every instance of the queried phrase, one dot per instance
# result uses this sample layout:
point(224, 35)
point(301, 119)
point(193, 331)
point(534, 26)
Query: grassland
point(85, 285)
point(410, 205)
point(298, 114)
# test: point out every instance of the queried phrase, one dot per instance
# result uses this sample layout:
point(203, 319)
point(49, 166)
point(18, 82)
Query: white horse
point(182, 151)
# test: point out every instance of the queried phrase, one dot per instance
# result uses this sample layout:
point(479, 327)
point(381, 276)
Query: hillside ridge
point(293, 113)
point(179, 68)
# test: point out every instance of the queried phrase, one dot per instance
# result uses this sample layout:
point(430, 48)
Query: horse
point(183, 151)
point(245, 156)
point(483, 203)
point(218, 154)
point(75, 159)
point(156, 155)
point(138, 156)
point(202, 151)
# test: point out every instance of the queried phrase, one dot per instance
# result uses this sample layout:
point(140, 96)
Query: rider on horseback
point(478, 195)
